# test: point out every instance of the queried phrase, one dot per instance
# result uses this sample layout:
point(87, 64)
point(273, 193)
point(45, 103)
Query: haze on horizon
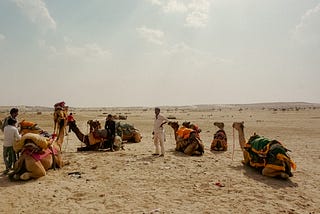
point(158, 52)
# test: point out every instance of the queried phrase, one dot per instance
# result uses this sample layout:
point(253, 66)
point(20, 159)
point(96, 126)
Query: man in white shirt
point(158, 132)
point(11, 135)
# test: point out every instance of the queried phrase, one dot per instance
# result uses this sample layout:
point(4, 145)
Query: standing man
point(11, 135)
point(158, 132)
point(13, 114)
point(110, 126)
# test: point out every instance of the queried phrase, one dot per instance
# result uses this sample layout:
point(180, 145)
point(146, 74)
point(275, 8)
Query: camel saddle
point(100, 133)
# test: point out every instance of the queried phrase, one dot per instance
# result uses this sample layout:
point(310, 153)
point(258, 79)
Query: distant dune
point(270, 105)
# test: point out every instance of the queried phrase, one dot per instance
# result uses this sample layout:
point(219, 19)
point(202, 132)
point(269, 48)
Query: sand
point(134, 181)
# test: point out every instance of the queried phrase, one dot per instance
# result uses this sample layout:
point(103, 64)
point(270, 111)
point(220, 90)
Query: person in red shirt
point(70, 119)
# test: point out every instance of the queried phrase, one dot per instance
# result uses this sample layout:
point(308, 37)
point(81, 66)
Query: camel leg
point(180, 144)
point(200, 148)
point(274, 173)
point(34, 169)
point(246, 159)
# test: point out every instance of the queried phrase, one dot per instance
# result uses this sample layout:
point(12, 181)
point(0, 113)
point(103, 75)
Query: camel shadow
point(181, 154)
point(217, 152)
point(255, 174)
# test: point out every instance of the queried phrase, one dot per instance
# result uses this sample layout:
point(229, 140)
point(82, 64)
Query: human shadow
point(6, 182)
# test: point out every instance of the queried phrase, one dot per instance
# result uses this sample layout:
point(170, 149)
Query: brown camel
point(219, 142)
point(38, 155)
point(95, 139)
point(189, 143)
point(270, 156)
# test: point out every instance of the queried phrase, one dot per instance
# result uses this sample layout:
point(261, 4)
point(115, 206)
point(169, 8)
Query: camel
point(269, 156)
point(38, 155)
point(219, 142)
point(95, 139)
point(187, 140)
point(60, 114)
point(128, 132)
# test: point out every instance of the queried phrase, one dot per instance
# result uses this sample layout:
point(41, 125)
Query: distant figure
point(158, 132)
point(110, 126)
point(11, 135)
point(70, 119)
point(13, 114)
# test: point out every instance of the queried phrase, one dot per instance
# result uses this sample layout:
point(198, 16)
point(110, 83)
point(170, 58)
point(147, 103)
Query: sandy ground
point(134, 181)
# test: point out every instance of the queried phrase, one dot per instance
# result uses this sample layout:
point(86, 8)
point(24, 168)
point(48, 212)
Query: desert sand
point(134, 181)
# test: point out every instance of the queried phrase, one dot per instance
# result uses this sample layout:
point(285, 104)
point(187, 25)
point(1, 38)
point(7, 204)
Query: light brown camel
point(219, 142)
point(94, 140)
point(189, 143)
point(60, 114)
point(128, 132)
point(270, 156)
point(35, 160)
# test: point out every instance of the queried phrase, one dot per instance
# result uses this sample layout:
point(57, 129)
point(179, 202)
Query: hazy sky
point(158, 52)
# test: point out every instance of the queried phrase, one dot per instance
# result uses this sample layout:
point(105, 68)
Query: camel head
point(220, 125)
point(238, 125)
point(174, 125)
point(60, 113)
point(186, 124)
point(94, 125)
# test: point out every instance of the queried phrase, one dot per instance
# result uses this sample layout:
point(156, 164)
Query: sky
point(122, 53)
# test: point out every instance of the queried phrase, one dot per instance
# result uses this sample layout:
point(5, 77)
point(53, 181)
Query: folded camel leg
point(191, 148)
point(274, 173)
point(34, 169)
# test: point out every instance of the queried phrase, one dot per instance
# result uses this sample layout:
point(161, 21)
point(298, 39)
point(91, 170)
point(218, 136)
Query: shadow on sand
point(255, 174)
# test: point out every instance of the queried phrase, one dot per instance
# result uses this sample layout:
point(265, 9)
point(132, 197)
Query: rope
point(233, 143)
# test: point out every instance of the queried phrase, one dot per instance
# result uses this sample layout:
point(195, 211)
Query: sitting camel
point(270, 156)
point(187, 140)
point(38, 154)
point(95, 139)
point(219, 142)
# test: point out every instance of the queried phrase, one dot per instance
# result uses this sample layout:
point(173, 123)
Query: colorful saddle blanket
point(184, 132)
point(267, 153)
point(219, 142)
